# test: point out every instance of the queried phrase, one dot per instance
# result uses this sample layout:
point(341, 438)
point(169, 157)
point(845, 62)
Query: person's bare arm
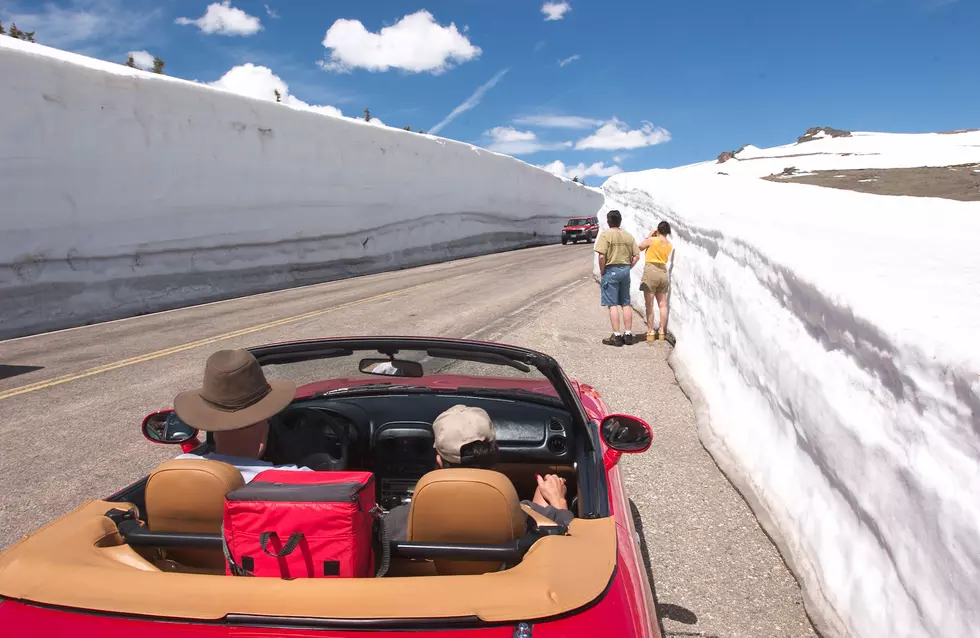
point(602, 263)
point(646, 243)
point(551, 491)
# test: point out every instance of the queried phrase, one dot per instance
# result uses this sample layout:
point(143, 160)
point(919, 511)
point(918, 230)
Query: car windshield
point(578, 222)
point(429, 369)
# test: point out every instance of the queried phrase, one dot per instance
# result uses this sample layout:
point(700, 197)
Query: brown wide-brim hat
point(235, 394)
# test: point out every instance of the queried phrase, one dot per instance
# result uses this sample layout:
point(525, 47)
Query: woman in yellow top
point(654, 284)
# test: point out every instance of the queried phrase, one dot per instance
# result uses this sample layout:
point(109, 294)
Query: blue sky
point(655, 84)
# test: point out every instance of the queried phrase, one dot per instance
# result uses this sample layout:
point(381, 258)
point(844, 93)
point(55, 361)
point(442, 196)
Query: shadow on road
point(6, 372)
point(664, 610)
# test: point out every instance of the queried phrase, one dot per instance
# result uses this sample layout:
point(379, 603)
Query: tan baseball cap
point(458, 426)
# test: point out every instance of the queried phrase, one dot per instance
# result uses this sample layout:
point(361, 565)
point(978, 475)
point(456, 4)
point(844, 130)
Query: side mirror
point(166, 427)
point(624, 433)
point(391, 367)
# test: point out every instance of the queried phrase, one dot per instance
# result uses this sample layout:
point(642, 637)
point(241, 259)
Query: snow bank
point(125, 192)
point(832, 338)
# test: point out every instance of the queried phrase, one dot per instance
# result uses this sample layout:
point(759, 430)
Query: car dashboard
point(391, 435)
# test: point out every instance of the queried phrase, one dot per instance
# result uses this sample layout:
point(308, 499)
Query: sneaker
point(630, 339)
point(614, 340)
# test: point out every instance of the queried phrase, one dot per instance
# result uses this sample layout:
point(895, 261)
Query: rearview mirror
point(626, 433)
point(391, 367)
point(166, 427)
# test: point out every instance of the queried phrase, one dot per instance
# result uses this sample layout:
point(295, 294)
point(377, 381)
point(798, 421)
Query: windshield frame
point(595, 500)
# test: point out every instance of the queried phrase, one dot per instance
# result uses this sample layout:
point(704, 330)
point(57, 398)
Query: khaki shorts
point(654, 279)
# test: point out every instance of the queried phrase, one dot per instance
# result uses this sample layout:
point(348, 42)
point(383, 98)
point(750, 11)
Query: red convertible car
point(148, 560)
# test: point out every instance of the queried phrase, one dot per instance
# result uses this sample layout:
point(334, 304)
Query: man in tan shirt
point(618, 253)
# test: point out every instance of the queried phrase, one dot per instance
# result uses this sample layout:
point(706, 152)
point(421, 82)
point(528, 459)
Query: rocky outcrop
point(727, 155)
point(813, 133)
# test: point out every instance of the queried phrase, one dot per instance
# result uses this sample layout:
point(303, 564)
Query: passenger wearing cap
point(465, 437)
point(235, 404)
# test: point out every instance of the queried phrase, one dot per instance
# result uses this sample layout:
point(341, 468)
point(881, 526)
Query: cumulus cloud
point(224, 19)
point(580, 170)
point(470, 102)
point(616, 135)
point(142, 59)
point(416, 43)
point(508, 140)
point(555, 10)
point(260, 82)
point(559, 121)
point(569, 60)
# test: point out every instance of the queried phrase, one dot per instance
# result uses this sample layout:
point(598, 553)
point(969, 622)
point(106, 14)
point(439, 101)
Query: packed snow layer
point(829, 340)
point(126, 192)
point(861, 150)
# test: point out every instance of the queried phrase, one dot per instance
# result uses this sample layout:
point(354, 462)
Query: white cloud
point(470, 102)
point(508, 140)
point(77, 24)
point(559, 121)
point(416, 43)
point(260, 82)
point(142, 59)
point(555, 10)
point(618, 159)
point(271, 12)
point(598, 169)
point(225, 19)
point(569, 60)
point(616, 135)
point(540, 45)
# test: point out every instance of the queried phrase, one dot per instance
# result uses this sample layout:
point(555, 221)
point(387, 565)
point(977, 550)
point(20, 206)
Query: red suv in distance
point(580, 228)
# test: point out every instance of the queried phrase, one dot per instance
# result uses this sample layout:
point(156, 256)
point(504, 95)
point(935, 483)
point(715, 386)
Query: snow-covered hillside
point(125, 192)
point(830, 342)
point(859, 150)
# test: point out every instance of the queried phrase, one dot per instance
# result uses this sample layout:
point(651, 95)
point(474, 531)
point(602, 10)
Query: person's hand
point(551, 491)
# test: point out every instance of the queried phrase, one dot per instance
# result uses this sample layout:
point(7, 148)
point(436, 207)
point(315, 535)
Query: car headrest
point(464, 505)
point(188, 495)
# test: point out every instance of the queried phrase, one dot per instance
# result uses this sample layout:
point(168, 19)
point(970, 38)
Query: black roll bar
point(137, 535)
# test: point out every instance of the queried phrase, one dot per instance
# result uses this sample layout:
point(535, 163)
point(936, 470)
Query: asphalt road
point(71, 403)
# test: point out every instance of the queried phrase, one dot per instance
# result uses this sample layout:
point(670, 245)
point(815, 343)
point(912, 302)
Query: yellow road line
point(41, 385)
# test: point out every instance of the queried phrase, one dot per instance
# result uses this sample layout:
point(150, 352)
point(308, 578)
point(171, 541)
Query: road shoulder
point(715, 571)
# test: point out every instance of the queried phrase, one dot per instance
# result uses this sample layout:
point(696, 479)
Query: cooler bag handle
point(287, 549)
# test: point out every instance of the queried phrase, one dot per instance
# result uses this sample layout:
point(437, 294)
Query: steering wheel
point(293, 441)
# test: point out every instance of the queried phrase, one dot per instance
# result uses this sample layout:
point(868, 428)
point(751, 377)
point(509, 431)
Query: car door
point(631, 562)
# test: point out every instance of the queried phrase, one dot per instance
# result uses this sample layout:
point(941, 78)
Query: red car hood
point(436, 382)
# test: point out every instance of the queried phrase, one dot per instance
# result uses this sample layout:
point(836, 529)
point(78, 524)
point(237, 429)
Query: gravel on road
point(715, 572)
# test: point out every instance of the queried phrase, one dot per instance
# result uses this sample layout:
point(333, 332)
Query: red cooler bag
point(290, 524)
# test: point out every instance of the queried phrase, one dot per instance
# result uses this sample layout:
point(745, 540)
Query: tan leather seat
point(463, 505)
point(188, 495)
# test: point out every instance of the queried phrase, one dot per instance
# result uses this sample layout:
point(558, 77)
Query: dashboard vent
point(555, 425)
point(557, 445)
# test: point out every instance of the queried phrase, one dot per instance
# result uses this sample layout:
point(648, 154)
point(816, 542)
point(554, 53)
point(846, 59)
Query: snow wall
point(836, 383)
point(124, 192)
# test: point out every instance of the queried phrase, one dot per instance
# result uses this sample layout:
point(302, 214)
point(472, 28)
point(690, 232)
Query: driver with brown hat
point(235, 405)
